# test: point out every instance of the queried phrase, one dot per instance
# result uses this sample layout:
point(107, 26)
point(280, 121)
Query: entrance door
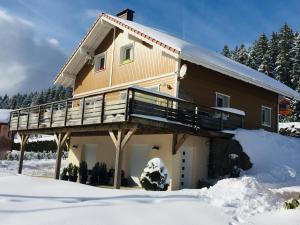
point(186, 168)
point(138, 158)
point(90, 155)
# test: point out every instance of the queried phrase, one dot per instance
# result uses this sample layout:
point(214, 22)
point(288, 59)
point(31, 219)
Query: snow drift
point(275, 157)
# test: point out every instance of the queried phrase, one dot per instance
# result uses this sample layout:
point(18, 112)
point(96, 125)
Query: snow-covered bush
point(155, 176)
point(292, 204)
point(292, 130)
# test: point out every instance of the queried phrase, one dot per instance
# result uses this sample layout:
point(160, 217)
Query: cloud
point(53, 41)
point(25, 64)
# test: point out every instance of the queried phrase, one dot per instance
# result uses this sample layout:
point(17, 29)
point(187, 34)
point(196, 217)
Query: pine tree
point(242, 54)
point(226, 52)
point(272, 52)
point(295, 74)
point(283, 63)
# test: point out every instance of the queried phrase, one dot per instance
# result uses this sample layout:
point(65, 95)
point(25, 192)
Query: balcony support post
point(178, 143)
point(61, 139)
point(120, 141)
point(23, 140)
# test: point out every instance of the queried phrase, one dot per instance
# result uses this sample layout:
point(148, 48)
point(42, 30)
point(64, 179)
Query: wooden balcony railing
point(120, 106)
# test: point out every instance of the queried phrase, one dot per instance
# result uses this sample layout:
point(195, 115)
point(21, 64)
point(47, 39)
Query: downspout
point(112, 58)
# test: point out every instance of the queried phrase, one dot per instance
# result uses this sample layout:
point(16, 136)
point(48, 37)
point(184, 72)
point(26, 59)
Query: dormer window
point(126, 54)
point(99, 62)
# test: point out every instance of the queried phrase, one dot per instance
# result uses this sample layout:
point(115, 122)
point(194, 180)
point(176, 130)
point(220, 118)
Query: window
point(222, 100)
point(266, 116)
point(99, 62)
point(126, 54)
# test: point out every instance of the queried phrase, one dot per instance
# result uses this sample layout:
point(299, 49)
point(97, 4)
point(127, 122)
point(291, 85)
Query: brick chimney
point(126, 14)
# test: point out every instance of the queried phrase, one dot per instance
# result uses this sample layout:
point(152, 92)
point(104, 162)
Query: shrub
point(292, 204)
point(103, 174)
point(95, 174)
point(155, 176)
point(73, 176)
point(64, 175)
point(83, 172)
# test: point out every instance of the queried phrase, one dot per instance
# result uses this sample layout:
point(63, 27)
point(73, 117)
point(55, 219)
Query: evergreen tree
point(283, 63)
point(242, 54)
point(226, 52)
point(295, 74)
point(272, 53)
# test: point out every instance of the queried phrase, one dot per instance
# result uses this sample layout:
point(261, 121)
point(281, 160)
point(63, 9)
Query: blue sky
point(59, 25)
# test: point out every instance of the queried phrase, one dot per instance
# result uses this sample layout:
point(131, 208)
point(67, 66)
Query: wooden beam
point(23, 140)
point(60, 139)
point(178, 143)
point(118, 161)
point(127, 137)
point(113, 138)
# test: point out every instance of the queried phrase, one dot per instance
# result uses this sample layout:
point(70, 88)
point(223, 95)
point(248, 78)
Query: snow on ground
point(289, 124)
point(275, 157)
point(36, 138)
point(42, 167)
point(31, 200)
point(255, 198)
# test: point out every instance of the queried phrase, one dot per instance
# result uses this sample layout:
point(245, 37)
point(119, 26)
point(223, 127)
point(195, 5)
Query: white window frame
point(223, 95)
point(270, 114)
point(97, 62)
point(122, 53)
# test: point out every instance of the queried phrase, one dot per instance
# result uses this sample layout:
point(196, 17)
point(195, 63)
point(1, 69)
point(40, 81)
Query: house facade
point(140, 93)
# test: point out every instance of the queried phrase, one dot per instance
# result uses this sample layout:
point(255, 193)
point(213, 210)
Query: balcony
point(130, 105)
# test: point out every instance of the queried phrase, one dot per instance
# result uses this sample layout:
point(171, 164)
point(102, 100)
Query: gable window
point(222, 100)
point(266, 116)
point(126, 54)
point(99, 62)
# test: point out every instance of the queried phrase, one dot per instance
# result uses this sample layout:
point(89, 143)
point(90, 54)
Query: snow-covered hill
point(275, 158)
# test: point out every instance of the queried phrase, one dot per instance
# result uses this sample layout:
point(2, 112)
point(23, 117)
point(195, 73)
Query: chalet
point(141, 93)
point(5, 134)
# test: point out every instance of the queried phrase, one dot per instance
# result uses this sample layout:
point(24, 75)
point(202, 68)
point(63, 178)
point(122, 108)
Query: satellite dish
point(182, 71)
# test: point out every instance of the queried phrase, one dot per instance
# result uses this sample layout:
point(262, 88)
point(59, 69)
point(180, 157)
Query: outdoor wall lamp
point(155, 147)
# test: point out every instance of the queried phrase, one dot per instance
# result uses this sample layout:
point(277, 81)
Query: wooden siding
point(200, 85)
point(147, 62)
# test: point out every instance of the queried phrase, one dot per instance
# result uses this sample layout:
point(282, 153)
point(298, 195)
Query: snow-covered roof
point(189, 52)
point(4, 115)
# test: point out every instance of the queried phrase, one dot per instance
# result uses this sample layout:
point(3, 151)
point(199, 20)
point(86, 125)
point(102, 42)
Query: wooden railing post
point(28, 117)
point(132, 103)
point(51, 116)
point(221, 121)
point(102, 108)
point(82, 111)
point(126, 116)
point(66, 113)
point(18, 120)
point(38, 124)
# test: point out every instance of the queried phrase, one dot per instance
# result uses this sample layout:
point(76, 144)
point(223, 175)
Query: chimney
point(126, 14)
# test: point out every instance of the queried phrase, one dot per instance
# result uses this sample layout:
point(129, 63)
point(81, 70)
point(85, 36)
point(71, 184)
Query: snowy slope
point(275, 157)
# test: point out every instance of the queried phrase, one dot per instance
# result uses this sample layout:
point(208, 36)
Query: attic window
point(126, 54)
point(99, 62)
